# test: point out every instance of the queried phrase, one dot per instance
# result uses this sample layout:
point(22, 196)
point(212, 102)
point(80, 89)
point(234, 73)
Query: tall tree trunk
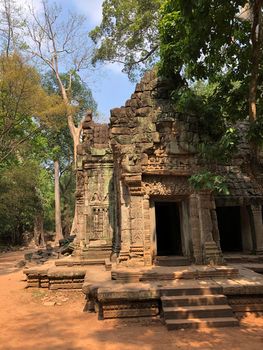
point(57, 204)
point(74, 226)
point(39, 230)
point(256, 38)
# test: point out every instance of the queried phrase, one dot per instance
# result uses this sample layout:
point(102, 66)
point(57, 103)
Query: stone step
point(194, 300)
point(243, 259)
point(96, 255)
point(79, 262)
point(171, 261)
point(169, 291)
point(200, 311)
point(195, 323)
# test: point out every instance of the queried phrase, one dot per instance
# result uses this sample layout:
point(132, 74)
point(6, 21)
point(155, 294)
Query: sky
point(110, 87)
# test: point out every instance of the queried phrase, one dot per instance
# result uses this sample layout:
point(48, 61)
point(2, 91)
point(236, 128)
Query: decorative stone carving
point(165, 186)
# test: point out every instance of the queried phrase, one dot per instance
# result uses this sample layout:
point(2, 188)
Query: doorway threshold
point(171, 260)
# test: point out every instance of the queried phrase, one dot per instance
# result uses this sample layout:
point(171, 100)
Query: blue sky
point(111, 88)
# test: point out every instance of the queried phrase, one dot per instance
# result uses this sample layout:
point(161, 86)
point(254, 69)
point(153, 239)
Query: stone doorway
point(168, 229)
point(229, 225)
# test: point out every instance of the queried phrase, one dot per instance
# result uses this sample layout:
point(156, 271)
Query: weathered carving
point(177, 165)
point(165, 186)
point(99, 223)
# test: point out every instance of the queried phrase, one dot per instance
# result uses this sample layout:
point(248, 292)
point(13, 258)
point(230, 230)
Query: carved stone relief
point(165, 186)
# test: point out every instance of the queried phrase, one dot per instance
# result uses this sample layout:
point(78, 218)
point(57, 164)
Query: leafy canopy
point(24, 105)
point(210, 40)
point(128, 34)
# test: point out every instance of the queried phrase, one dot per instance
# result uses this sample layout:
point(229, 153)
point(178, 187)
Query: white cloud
point(114, 67)
point(90, 8)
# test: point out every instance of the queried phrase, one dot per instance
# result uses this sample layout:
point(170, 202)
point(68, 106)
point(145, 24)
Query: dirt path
point(26, 323)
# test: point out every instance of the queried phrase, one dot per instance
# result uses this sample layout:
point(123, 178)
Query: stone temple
point(147, 243)
point(134, 201)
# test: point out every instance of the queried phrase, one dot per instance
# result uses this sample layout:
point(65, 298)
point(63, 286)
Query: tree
point(60, 145)
point(61, 46)
point(23, 103)
point(20, 202)
point(128, 34)
point(10, 25)
point(26, 111)
point(225, 48)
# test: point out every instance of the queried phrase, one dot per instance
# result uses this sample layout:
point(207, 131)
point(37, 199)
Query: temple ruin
point(134, 201)
point(139, 220)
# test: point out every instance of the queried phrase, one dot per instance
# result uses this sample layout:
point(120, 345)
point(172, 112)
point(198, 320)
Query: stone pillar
point(247, 242)
point(116, 201)
point(79, 220)
point(137, 230)
point(147, 232)
point(124, 222)
point(216, 233)
point(185, 229)
point(195, 228)
point(257, 228)
point(211, 252)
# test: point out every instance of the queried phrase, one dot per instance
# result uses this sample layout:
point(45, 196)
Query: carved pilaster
point(195, 228)
point(211, 252)
point(257, 228)
point(147, 232)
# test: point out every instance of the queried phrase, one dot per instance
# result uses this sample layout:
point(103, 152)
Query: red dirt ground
point(27, 324)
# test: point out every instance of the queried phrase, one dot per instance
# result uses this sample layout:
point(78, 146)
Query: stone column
point(216, 233)
point(257, 228)
point(124, 222)
point(115, 199)
point(147, 232)
point(195, 228)
point(137, 229)
point(211, 253)
point(247, 242)
point(185, 229)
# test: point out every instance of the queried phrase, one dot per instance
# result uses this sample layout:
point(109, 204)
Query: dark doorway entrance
point(229, 225)
point(168, 229)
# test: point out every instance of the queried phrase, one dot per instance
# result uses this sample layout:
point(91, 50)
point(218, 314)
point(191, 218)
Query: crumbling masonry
point(134, 200)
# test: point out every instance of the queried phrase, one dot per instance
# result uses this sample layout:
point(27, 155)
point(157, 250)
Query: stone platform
point(171, 272)
point(198, 295)
point(55, 277)
point(67, 273)
point(191, 296)
point(240, 258)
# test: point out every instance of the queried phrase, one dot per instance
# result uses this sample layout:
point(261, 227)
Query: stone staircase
point(97, 252)
point(196, 308)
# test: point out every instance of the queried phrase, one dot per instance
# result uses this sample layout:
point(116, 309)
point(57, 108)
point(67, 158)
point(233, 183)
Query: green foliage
point(128, 34)
point(209, 181)
point(255, 134)
point(79, 94)
point(209, 41)
point(23, 106)
point(33, 121)
point(201, 103)
point(57, 143)
point(205, 38)
point(222, 150)
point(19, 201)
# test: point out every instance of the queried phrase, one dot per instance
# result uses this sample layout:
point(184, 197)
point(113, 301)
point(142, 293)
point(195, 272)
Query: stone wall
point(155, 153)
point(95, 191)
point(146, 155)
